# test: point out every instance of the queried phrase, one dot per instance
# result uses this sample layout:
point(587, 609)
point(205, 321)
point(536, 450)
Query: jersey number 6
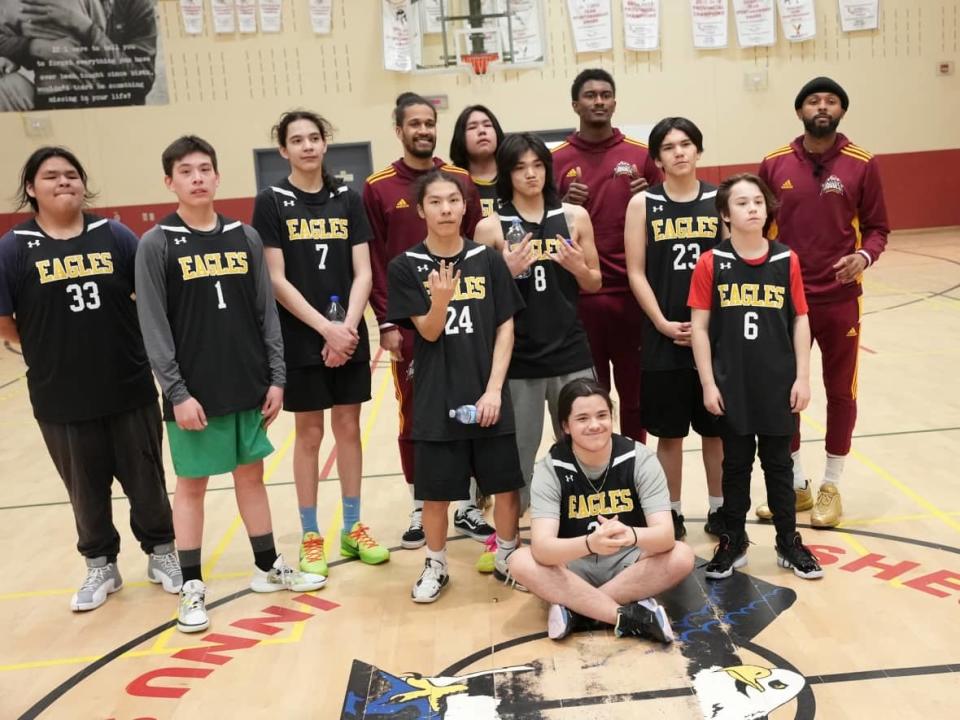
point(750, 328)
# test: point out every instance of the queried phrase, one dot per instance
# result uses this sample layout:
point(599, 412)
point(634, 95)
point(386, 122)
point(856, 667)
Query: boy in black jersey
point(555, 262)
point(460, 299)
point(751, 341)
point(66, 280)
point(601, 537)
point(477, 137)
point(211, 331)
point(667, 228)
point(316, 236)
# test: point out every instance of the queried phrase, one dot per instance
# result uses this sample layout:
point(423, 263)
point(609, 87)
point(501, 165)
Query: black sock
point(190, 564)
point(264, 551)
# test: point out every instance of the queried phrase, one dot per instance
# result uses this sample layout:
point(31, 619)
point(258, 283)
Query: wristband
point(586, 541)
point(636, 540)
point(866, 256)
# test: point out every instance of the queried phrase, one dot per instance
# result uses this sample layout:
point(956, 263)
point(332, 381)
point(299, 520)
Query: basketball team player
point(668, 226)
point(460, 300)
point(389, 197)
point(66, 280)
point(213, 337)
point(751, 343)
point(476, 136)
point(833, 215)
point(316, 244)
point(600, 168)
point(559, 261)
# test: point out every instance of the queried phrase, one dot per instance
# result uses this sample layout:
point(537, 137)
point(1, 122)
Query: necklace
point(603, 478)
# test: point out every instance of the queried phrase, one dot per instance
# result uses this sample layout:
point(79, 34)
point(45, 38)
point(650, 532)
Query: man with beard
point(600, 168)
point(833, 215)
point(389, 197)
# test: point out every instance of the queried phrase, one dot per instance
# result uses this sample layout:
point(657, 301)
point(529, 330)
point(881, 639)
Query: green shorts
point(226, 442)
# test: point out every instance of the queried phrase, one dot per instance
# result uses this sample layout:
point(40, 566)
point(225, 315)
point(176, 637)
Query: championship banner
point(321, 12)
point(798, 19)
point(641, 24)
point(709, 21)
point(756, 22)
point(430, 15)
point(192, 13)
point(247, 16)
point(398, 35)
point(223, 18)
point(859, 15)
point(592, 24)
point(271, 15)
point(83, 54)
point(525, 26)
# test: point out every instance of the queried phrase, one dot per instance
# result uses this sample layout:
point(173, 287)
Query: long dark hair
point(31, 167)
point(579, 388)
point(458, 145)
point(508, 155)
point(279, 133)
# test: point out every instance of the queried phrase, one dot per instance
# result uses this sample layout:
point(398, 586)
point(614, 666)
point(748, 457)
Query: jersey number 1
point(221, 304)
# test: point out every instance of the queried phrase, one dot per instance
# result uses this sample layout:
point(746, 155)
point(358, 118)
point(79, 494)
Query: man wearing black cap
point(833, 215)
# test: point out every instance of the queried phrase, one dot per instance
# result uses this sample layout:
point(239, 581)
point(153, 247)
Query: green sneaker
point(311, 554)
point(358, 543)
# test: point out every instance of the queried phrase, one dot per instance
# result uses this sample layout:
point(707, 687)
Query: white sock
point(833, 469)
point(715, 502)
point(464, 505)
point(675, 506)
point(799, 481)
point(439, 555)
point(505, 547)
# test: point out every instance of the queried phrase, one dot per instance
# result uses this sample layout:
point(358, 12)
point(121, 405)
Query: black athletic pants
point(739, 452)
point(88, 455)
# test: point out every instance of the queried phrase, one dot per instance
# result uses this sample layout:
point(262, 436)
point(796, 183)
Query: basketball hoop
point(480, 62)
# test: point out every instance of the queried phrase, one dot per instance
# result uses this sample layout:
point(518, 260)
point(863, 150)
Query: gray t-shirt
point(649, 479)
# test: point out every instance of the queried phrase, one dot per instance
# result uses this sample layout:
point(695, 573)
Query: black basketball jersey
point(549, 337)
point(317, 232)
point(677, 234)
point(751, 335)
point(454, 370)
point(77, 320)
point(212, 309)
point(613, 493)
point(487, 190)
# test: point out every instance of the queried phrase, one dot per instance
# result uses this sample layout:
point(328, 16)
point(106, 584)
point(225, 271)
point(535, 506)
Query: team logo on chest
point(33, 243)
point(623, 168)
point(180, 241)
point(832, 185)
point(289, 203)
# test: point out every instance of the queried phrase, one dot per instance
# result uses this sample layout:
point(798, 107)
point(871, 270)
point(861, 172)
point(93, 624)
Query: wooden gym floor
point(878, 637)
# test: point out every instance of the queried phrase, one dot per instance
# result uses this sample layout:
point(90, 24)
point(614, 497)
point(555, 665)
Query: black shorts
point(671, 401)
point(443, 469)
point(317, 387)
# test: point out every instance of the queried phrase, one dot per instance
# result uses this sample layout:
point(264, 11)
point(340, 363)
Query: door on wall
point(351, 163)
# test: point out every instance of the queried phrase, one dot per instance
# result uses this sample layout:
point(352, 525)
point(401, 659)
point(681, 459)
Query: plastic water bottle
point(465, 414)
point(335, 312)
point(514, 237)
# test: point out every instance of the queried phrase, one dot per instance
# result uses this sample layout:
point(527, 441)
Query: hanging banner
point(271, 15)
point(592, 24)
point(756, 22)
point(525, 27)
point(192, 13)
point(398, 35)
point(223, 17)
point(320, 15)
point(859, 15)
point(430, 15)
point(798, 19)
point(247, 16)
point(709, 20)
point(641, 24)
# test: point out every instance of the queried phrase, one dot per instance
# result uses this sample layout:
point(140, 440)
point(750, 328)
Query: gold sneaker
point(829, 509)
point(804, 502)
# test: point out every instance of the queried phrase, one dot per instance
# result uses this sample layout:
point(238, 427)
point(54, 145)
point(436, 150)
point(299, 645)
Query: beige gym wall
point(230, 89)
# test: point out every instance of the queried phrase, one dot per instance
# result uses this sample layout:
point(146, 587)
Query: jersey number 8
point(539, 278)
point(455, 322)
point(85, 297)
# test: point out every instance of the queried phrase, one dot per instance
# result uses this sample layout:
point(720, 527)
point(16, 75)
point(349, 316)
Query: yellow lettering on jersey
point(607, 503)
point(486, 206)
point(317, 228)
point(213, 265)
point(542, 248)
point(470, 287)
point(751, 295)
point(74, 266)
point(683, 228)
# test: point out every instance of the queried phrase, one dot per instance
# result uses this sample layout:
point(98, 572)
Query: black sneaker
point(414, 538)
point(644, 618)
point(731, 553)
point(679, 530)
point(714, 524)
point(794, 555)
point(472, 524)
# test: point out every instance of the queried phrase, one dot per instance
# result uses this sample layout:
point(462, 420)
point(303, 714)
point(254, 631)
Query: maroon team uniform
point(831, 205)
point(391, 205)
point(612, 317)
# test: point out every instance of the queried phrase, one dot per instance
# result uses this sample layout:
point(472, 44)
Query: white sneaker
point(102, 579)
point(283, 577)
point(432, 581)
point(192, 615)
point(164, 567)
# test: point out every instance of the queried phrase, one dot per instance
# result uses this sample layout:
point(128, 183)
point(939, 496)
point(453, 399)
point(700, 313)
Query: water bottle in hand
point(514, 237)
point(335, 312)
point(465, 414)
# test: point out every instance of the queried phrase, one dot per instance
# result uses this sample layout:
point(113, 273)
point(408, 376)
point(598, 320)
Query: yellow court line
point(888, 519)
point(899, 485)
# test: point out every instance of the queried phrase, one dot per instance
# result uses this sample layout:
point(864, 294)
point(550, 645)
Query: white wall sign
point(859, 15)
point(398, 35)
point(224, 20)
point(271, 15)
point(709, 20)
point(192, 13)
point(641, 24)
point(592, 24)
point(247, 16)
point(320, 15)
point(756, 22)
point(798, 19)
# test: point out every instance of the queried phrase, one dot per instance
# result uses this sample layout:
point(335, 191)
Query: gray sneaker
point(164, 567)
point(102, 579)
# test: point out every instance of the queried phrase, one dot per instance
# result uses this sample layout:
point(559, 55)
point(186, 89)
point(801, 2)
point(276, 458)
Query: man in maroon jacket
point(389, 197)
point(600, 168)
point(832, 213)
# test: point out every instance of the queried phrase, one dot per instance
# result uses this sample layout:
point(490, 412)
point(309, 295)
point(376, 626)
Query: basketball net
point(480, 62)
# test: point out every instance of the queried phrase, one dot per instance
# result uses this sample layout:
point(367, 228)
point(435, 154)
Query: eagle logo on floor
point(712, 622)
